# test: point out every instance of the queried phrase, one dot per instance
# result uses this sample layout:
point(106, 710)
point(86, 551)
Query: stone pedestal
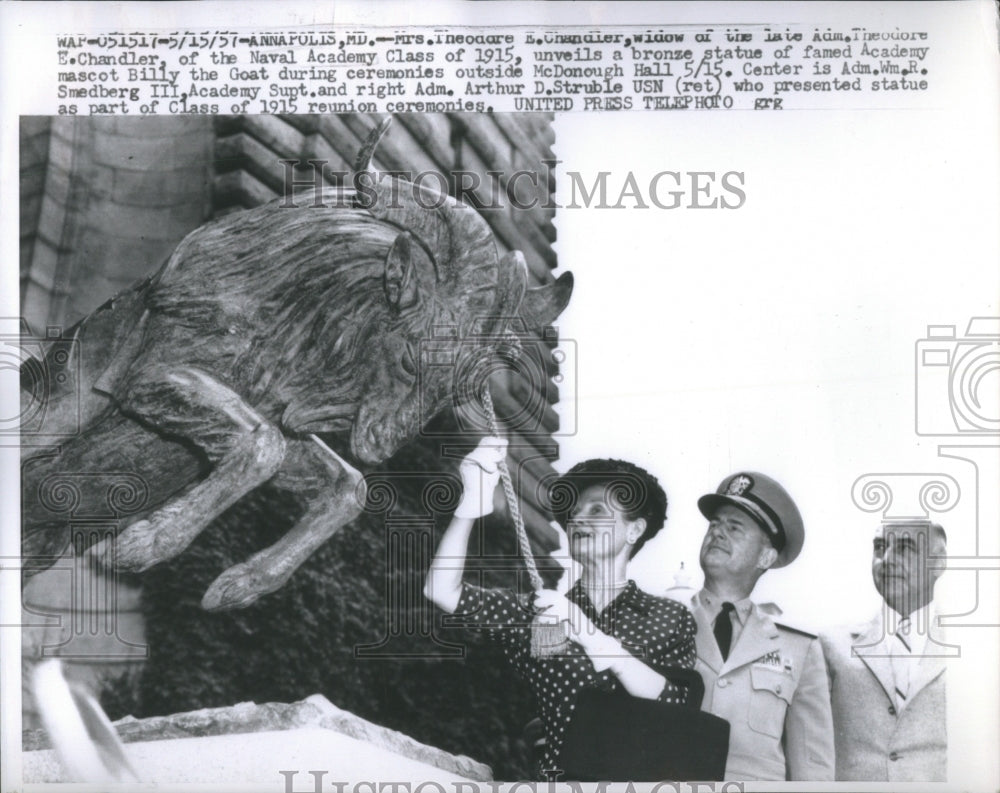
point(267, 744)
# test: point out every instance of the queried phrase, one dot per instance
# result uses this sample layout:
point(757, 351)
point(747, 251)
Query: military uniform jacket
point(773, 691)
point(876, 739)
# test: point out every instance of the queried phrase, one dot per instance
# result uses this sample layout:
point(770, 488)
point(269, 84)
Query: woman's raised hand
point(480, 474)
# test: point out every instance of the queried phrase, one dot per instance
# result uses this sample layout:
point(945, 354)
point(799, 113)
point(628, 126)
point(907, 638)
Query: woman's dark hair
point(628, 487)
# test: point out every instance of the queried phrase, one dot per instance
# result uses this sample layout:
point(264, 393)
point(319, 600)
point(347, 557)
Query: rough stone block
point(204, 743)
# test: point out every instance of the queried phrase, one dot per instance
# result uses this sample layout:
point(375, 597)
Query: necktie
point(901, 660)
point(723, 629)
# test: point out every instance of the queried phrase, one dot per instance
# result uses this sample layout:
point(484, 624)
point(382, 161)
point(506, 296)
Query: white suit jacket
point(876, 739)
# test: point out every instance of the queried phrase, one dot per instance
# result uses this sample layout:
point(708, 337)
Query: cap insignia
point(739, 485)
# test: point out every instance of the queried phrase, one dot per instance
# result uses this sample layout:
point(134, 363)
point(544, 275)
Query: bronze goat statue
point(265, 330)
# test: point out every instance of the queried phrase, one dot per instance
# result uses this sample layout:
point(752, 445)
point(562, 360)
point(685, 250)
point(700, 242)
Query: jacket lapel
point(758, 638)
point(932, 662)
point(925, 673)
point(868, 645)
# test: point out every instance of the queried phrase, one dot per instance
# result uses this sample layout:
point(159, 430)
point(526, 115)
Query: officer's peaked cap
point(768, 503)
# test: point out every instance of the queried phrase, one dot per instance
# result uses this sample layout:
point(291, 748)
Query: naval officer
point(767, 679)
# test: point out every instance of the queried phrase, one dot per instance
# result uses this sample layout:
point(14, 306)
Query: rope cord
point(548, 633)
point(524, 545)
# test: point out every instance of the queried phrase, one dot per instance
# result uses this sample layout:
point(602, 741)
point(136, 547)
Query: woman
point(620, 637)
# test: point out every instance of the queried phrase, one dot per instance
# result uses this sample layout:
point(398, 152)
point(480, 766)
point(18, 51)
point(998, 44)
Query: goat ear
point(399, 281)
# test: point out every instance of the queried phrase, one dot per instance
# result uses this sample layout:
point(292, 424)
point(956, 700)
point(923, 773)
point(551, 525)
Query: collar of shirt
point(712, 605)
point(579, 595)
point(920, 620)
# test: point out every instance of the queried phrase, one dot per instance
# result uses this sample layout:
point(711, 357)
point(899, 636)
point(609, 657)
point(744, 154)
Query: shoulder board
point(771, 609)
point(790, 629)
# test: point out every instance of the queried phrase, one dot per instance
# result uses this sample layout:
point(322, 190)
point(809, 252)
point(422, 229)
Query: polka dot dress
point(657, 631)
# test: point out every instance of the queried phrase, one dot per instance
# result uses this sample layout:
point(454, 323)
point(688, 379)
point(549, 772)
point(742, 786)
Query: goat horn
point(363, 162)
point(542, 304)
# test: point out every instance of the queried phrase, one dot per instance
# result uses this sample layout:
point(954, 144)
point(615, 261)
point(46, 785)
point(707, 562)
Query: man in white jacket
point(887, 674)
